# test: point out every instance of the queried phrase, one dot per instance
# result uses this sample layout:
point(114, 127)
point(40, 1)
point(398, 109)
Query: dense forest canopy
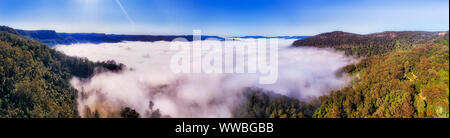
point(266, 104)
point(399, 84)
point(34, 79)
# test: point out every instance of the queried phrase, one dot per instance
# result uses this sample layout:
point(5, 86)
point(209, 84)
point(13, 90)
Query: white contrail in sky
point(125, 12)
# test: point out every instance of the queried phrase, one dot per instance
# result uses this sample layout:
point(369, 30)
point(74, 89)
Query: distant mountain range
point(52, 38)
point(268, 37)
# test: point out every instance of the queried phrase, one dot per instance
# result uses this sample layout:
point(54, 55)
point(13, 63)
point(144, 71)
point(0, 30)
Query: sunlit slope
point(403, 83)
point(370, 44)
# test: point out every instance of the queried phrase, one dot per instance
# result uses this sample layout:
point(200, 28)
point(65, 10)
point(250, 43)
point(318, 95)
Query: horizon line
point(401, 30)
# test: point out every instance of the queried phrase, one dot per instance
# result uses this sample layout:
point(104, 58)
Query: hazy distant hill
point(52, 38)
point(370, 44)
point(152, 38)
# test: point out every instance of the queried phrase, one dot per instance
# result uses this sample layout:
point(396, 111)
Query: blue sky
point(226, 17)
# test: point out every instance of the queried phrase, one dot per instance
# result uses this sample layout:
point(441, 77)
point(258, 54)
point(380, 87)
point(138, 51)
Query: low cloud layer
point(303, 73)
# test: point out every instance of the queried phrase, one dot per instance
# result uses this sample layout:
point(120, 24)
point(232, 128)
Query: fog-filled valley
point(148, 85)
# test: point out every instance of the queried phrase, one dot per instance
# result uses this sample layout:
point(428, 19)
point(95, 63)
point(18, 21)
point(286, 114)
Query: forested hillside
point(265, 104)
point(403, 74)
point(402, 83)
point(34, 79)
point(368, 45)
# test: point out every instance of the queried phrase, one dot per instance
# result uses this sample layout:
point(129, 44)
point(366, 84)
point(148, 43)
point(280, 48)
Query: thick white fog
point(303, 73)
